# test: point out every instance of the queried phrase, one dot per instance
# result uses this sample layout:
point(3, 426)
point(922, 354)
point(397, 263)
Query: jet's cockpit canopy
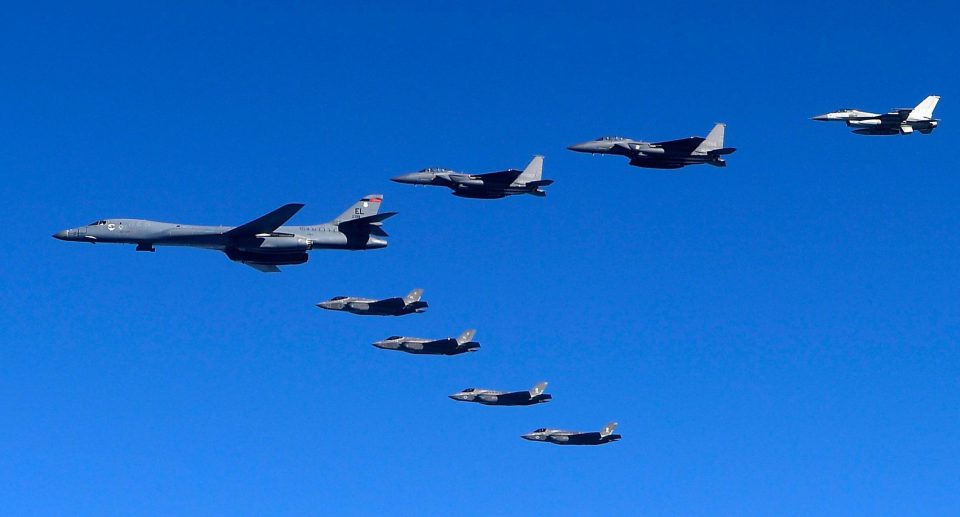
point(541, 430)
point(435, 169)
point(611, 139)
point(469, 390)
point(391, 338)
point(98, 223)
point(337, 298)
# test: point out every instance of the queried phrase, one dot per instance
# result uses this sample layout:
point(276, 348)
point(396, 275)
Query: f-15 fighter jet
point(901, 121)
point(262, 244)
point(559, 437)
point(671, 154)
point(418, 345)
point(409, 304)
point(492, 185)
point(501, 398)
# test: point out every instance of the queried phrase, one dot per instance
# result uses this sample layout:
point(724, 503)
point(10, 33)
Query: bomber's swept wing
point(267, 223)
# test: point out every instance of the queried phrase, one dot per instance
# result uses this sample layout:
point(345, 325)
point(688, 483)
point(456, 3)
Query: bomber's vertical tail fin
point(538, 389)
point(533, 170)
point(369, 205)
point(924, 110)
point(714, 139)
point(466, 337)
point(608, 429)
point(414, 296)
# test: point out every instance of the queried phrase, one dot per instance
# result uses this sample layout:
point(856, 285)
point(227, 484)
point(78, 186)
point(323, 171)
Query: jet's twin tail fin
point(533, 171)
point(714, 139)
point(414, 296)
point(466, 337)
point(924, 110)
point(538, 389)
point(367, 206)
point(608, 429)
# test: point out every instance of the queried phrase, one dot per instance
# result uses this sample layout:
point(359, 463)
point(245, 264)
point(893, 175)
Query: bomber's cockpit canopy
point(98, 223)
point(611, 139)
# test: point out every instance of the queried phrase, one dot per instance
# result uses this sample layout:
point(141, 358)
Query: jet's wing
point(681, 146)
point(506, 177)
point(264, 268)
point(267, 223)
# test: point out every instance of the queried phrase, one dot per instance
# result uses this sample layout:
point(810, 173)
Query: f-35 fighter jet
point(262, 244)
point(409, 304)
point(418, 345)
point(492, 185)
point(501, 398)
point(671, 154)
point(559, 437)
point(902, 121)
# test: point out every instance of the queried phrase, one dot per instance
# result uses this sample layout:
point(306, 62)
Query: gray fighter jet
point(492, 185)
point(262, 244)
point(559, 437)
point(417, 345)
point(671, 154)
point(502, 398)
point(409, 304)
point(901, 121)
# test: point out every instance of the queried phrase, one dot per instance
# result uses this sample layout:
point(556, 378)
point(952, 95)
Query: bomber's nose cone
point(62, 235)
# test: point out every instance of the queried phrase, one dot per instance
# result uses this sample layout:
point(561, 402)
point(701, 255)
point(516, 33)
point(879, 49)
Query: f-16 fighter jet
point(902, 121)
point(559, 437)
point(409, 304)
point(492, 185)
point(262, 244)
point(418, 345)
point(502, 398)
point(671, 154)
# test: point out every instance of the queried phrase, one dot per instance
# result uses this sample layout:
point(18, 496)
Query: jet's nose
point(62, 235)
point(825, 117)
point(325, 305)
point(415, 178)
point(584, 147)
point(529, 436)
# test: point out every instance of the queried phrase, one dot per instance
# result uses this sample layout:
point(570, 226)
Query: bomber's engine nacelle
point(281, 245)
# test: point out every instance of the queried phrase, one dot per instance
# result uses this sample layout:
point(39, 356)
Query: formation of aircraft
point(417, 345)
point(670, 154)
point(534, 395)
point(409, 304)
point(266, 242)
point(560, 437)
point(491, 185)
point(900, 121)
point(263, 243)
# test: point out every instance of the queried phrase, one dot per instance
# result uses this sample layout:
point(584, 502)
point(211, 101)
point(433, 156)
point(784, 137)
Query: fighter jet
point(492, 185)
point(409, 304)
point(901, 121)
point(559, 437)
point(263, 243)
point(418, 345)
point(671, 154)
point(501, 398)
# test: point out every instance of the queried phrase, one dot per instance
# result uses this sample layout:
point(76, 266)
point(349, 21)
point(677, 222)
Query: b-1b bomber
point(491, 185)
point(409, 304)
point(559, 437)
point(671, 154)
point(503, 398)
point(418, 345)
point(263, 243)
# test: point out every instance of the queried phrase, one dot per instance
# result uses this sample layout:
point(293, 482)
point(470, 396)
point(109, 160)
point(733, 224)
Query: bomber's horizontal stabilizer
point(368, 224)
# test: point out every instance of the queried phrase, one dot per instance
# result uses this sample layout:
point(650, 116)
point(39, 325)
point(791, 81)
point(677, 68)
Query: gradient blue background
point(776, 337)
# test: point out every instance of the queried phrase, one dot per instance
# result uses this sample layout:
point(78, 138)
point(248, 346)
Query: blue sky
point(776, 337)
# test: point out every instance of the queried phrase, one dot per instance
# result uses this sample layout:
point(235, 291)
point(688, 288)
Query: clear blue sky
point(776, 337)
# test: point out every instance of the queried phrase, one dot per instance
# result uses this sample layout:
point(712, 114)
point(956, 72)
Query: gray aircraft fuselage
point(500, 398)
point(671, 154)
point(371, 307)
point(422, 346)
